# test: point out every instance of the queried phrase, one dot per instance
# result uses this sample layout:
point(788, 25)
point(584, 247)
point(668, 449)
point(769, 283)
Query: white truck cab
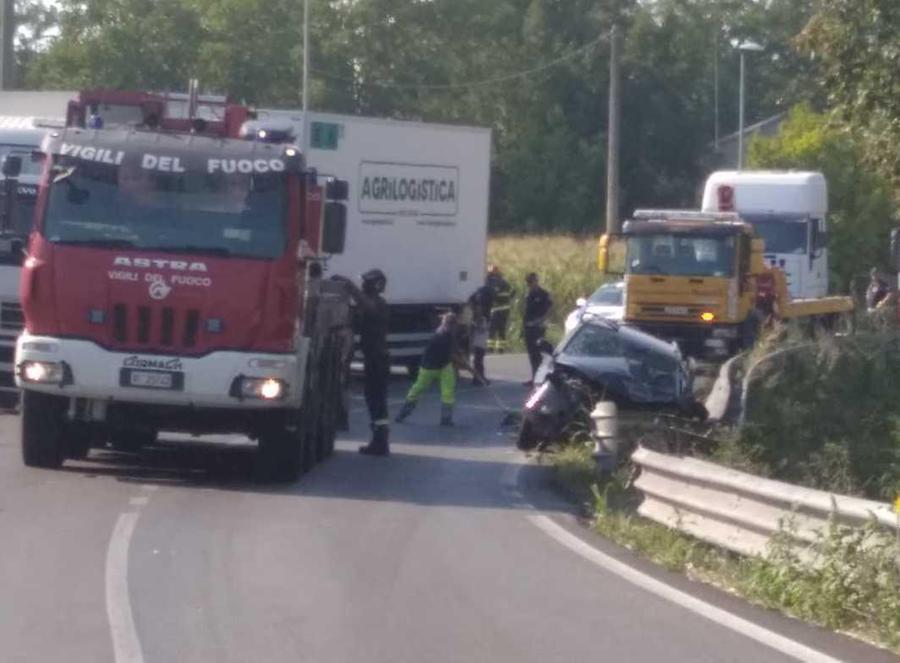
point(788, 209)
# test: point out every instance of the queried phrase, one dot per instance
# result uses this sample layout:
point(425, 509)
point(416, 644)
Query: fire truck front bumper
point(221, 379)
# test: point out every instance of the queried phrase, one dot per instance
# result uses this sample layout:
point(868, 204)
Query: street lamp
point(305, 146)
point(746, 46)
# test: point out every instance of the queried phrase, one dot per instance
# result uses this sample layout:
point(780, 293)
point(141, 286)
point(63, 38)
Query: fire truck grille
point(11, 316)
point(144, 325)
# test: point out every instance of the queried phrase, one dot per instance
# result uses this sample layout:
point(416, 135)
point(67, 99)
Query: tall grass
point(566, 265)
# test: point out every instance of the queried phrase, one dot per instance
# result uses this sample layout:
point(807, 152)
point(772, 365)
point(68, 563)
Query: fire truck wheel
point(310, 437)
point(43, 429)
point(78, 440)
point(131, 440)
point(327, 426)
point(280, 457)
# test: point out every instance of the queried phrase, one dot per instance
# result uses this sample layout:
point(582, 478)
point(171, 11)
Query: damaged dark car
point(603, 360)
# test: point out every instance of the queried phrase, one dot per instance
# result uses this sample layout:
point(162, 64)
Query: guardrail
point(739, 511)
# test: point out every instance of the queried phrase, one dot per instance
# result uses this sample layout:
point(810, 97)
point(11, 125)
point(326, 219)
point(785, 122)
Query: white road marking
point(149, 487)
point(722, 617)
point(141, 500)
point(126, 646)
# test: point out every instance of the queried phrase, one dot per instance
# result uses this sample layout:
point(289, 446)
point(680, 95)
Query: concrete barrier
point(739, 511)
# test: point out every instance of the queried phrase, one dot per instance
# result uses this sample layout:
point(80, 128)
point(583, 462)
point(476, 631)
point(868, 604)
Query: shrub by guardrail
point(828, 416)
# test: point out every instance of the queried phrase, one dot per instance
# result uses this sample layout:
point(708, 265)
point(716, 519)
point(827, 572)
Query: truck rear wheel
point(43, 429)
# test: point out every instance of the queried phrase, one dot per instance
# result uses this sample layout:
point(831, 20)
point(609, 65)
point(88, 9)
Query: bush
point(828, 416)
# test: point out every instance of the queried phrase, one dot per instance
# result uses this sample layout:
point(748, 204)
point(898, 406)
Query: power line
point(473, 84)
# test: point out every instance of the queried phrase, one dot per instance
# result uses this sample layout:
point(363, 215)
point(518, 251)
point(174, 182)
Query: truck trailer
point(417, 209)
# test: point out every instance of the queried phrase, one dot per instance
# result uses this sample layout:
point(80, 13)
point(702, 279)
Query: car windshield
point(230, 214)
point(595, 341)
point(608, 294)
point(782, 234)
point(681, 255)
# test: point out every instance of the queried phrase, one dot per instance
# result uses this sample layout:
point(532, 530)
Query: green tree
point(858, 44)
point(35, 20)
point(535, 71)
point(121, 44)
point(251, 49)
point(859, 200)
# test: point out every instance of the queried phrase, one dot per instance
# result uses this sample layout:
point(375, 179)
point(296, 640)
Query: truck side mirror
point(12, 166)
point(334, 228)
point(337, 190)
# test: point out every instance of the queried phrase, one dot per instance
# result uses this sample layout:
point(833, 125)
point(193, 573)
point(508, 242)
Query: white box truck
point(788, 210)
point(417, 209)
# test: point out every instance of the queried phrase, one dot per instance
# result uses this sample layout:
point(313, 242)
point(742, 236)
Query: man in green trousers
point(438, 363)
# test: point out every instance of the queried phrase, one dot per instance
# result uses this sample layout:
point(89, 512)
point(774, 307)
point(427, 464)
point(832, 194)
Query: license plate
point(152, 379)
point(676, 310)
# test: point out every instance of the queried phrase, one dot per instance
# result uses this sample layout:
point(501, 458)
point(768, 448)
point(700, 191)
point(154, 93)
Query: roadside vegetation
point(856, 588)
point(566, 264)
point(826, 415)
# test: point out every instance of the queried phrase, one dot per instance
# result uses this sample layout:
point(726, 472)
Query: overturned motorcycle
point(603, 360)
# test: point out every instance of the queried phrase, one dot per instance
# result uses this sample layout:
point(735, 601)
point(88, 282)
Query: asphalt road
point(453, 549)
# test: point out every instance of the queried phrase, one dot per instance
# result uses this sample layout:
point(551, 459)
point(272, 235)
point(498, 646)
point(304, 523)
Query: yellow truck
point(700, 278)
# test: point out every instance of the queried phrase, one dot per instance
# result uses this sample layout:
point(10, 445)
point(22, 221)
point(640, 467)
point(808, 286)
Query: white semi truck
point(417, 209)
point(788, 210)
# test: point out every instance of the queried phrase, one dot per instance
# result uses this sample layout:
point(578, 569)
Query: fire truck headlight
point(41, 372)
point(267, 389)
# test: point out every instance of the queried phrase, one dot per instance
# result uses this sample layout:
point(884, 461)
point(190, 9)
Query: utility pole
point(305, 145)
point(612, 133)
point(716, 93)
point(7, 33)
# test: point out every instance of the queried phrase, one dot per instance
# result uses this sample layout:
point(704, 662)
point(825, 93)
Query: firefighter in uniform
point(502, 301)
point(373, 328)
point(481, 302)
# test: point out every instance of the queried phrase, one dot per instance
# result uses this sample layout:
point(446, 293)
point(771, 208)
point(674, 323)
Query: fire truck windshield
point(195, 212)
point(681, 255)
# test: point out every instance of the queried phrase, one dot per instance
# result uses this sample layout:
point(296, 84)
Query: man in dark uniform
point(481, 302)
point(373, 328)
point(502, 301)
point(534, 321)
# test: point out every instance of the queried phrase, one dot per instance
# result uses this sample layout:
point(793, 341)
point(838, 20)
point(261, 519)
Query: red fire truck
point(173, 283)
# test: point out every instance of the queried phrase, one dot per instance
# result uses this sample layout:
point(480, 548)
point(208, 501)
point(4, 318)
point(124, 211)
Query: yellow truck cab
point(700, 279)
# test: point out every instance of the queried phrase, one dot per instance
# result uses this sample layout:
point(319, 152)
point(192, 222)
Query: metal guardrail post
point(606, 429)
